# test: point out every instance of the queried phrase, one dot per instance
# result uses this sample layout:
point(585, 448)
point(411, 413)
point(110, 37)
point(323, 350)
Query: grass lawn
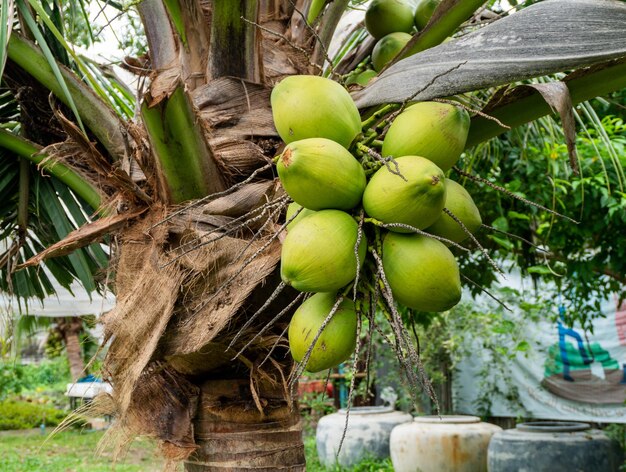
point(70, 451)
point(73, 451)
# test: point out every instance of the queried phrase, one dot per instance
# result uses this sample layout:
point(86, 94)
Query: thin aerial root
point(482, 180)
point(326, 384)
point(413, 229)
point(402, 335)
point(359, 238)
point(352, 383)
point(243, 221)
point(273, 348)
point(287, 40)
point(266, 327)
point(213, 195)
point(319, 41)
point(271, 217)
point(383, 160)
point(388, 297)
point(245, 264)
point(473, 238)
point(296, 374)
point(277, 291)
point(425, 87)
point(371, 313)
point(471, 110)
point(487, 292)
point(515, 236)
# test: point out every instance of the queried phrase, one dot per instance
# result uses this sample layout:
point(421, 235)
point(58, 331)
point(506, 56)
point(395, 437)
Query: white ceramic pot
point(441, 444)
point(367, 435)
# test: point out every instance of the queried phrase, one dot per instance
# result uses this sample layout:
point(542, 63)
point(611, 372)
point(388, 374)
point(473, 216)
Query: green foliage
point(26, 415)
point(367, 465)
point(584, 260)
point(72, 451)
point(52, 375)
point(488, 328)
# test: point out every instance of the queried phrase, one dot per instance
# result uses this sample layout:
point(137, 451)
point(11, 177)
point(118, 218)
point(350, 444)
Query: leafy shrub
point(25, 415)
point(49, 375)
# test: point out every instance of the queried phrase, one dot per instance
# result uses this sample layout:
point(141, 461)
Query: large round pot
point(441, 444)
point(367, 435)
point(555, 446)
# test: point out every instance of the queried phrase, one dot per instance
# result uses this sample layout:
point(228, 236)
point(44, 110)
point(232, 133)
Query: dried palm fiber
point(237, 158)
point(146, 295)
point(237, 108)
point(204, 313)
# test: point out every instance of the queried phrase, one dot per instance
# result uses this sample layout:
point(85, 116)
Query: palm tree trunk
point(70, 331)
point(234, 435)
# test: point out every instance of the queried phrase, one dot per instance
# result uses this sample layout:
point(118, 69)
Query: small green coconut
point(365, 77)
point(421, 271)
point(460, 203)
point(423, 11)
point(308, 106)
point(417, 201)
point(319, 173)
point(318, 253)
point(387, 48)
point(436, 131)
point(336, 342)
point(389, 16)
point(292, 208)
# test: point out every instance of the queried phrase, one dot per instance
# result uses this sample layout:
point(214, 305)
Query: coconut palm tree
point(195, 351)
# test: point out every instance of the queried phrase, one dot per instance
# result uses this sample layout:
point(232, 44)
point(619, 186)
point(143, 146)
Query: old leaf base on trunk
point(232, 434)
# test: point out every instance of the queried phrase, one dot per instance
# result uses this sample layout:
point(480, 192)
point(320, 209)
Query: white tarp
point(63, 303)
point(567, 374)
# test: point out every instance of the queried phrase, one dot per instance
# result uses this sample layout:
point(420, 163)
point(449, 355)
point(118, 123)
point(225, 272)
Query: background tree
point(167, 187)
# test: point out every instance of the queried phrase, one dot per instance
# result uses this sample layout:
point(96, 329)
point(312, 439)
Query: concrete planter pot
point(441, 444)
point(367, 435)
point(555, 446)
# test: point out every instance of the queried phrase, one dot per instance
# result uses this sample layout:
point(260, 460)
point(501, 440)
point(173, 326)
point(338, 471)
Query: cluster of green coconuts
point(330, 187)
point(391, 23)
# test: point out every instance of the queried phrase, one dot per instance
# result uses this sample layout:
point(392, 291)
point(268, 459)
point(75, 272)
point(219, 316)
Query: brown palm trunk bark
point(233, 435)
point(70, 331)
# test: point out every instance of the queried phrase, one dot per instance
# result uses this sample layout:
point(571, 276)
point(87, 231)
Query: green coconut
point(292, 208)
point(437, 131)
point(364, 77)
point(318, 253)
point(336, 342)
point(460, 203)
point(387, 48)
point(423, 11)
point(417, 201)
point(307, 106)
point(421, 271)
point(388, 16)
point(319, 173)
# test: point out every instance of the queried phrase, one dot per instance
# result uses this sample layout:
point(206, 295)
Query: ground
point(73, 451)
point(69, 451)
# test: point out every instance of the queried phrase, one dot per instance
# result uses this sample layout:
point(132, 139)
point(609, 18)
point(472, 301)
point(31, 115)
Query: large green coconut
point(318, 253)
point(423, 11)
point(417, 201)
point(387, 48)
point(307, 106)
point(460, 203)
point(388, 16)
point(437, 131)
point(338, 339)
point(422, 272)
point(292, 208)
point(319, 173)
